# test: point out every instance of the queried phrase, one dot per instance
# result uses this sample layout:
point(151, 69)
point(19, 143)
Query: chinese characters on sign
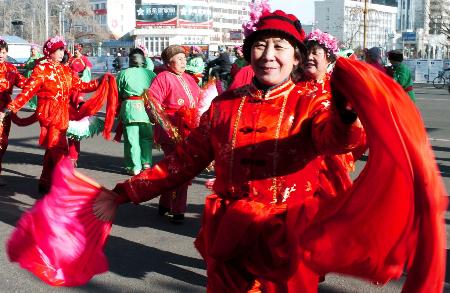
point(173, 15)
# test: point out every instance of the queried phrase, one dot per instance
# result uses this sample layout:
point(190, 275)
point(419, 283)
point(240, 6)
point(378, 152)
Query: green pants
point(138, 143)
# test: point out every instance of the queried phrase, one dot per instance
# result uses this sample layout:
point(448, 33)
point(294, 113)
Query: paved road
point(146, 252)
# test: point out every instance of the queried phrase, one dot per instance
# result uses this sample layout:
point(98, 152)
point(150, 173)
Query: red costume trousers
point(74, 149)
point(55, 141)
point(174, 200)
point(4, 138)
point(245, 249)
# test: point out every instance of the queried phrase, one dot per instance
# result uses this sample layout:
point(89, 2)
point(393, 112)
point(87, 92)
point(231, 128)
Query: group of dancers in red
point(284, 210)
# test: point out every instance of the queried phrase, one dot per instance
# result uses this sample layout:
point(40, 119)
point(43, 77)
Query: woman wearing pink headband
point(53, 82)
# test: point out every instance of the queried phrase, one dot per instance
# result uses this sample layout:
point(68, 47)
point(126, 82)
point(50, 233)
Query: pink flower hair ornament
point(324, 39)
point(143, 48)
point(257, 9)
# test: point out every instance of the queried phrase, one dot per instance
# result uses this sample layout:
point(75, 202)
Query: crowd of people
point(283, 138)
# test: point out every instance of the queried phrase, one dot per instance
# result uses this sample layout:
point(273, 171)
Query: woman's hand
point(105, 205)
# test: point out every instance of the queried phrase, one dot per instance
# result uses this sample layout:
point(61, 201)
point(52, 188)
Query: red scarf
point(393, 216)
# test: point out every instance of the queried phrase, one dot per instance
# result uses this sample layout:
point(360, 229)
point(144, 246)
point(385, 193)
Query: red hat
point(53, 44)
point(78, 47)
point(278, 21)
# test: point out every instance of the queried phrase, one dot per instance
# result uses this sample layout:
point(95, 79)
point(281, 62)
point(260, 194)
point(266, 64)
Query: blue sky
point(303, 9)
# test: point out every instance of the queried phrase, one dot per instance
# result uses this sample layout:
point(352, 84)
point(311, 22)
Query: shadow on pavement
point(10, 209)
point(134, 260)
point(105, 162)
point(431, 129)
point(146, 215)
point(24, 158)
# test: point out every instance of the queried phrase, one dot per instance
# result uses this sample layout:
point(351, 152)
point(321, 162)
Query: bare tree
point(353, 22)
point(26, 18)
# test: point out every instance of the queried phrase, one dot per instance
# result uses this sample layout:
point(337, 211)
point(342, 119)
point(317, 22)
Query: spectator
point(401, 72)
point(373, 57)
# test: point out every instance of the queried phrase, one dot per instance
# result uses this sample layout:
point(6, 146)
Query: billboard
point(156, 15)
point(408, 36)
point(185, 16)
point(236, 35)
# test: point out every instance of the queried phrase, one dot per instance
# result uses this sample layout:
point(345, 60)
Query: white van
point(18, 48)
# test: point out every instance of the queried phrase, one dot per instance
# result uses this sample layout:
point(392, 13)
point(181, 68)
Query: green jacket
point(29, 65)
point(132, 82)
point(149, 64)
point(403, 76)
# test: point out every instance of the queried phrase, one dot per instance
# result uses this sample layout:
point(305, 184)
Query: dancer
point(138, 131)
point(195, 64)
point(401, 72)
point(9, 77)
point(178, 94)
point(322, 49)
point(35, 55)
point(80, 65)
point(148, 61)
point(373, 57)
point(266, 139)
point(53, 83)
point(239, 62)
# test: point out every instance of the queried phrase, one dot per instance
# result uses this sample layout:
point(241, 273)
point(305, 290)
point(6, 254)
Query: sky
point(303, 9)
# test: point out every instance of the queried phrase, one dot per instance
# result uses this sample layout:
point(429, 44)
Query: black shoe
point(162, 210)
point(177, 219)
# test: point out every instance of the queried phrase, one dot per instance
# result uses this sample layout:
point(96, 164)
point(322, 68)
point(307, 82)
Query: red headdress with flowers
point(324, 39)
point(78, 47)
point(53, 44)
point(262, 20)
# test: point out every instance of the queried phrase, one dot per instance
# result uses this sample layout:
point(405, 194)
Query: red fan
point(60, 240)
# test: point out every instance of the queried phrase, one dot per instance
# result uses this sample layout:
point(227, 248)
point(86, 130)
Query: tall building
point(438, 28)
point(345, 20)
point(421, 23)
point(159, 23)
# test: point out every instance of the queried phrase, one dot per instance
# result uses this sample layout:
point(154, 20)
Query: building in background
point(159, 23)
point(345, 20)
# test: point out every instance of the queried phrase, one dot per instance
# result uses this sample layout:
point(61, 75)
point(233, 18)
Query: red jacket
point(9, 77)
point(53, 83)
point(265, 147)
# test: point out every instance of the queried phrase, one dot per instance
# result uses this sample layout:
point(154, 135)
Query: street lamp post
point(46, 19)
point(365, 24)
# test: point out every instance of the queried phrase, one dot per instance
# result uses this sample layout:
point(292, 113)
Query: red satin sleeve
point(190, 158)
point(30, 88)
point(84, 87)
point(20, 80)
point(330, 134)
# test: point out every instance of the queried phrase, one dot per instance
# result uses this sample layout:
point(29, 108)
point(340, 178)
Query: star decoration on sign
point(140, 11)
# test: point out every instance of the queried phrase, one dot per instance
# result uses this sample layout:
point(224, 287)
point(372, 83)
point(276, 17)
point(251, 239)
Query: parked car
point(19, 65)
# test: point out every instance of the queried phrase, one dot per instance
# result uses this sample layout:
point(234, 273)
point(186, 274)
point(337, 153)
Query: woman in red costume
point(322, 49)
point(53, 83)
point(267, 139)
point(81, 65)
point(9, 77)
point(178, 94)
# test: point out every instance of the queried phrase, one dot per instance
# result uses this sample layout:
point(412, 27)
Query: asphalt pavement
point(146, 252)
